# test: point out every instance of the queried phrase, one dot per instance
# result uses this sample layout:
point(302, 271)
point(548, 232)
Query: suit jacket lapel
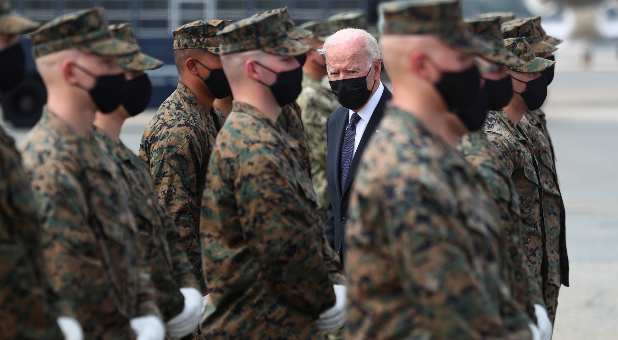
point(342, 119)
point(376, 117)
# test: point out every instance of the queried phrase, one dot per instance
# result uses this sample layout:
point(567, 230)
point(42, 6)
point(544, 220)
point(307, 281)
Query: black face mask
point(217, 82)
point(107, 91)
point(352, 93)
point(461, 92)
point(548, 73)
point(302, 58)
point(535, 93)
point(287, 86)
point(136, 94)
point(473, 116)
point(13, 61)
point(498, 92)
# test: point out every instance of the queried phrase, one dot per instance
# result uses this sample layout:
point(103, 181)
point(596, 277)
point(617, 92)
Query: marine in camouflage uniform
point(497, 174)
point(25, 308)
point(177, 143)
point(169, 265)
point(424, 237)
point(89, 236)
point(266, 261)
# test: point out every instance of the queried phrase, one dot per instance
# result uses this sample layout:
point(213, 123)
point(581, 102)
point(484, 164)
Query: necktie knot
point(353, 120)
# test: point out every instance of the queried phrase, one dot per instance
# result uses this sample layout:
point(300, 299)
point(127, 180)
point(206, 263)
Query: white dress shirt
point(365, 115)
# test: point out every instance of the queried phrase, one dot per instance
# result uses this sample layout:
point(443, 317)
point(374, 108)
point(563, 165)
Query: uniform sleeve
point(290, 252)
point(66, 237)
point(314, 120)
point(174, 165)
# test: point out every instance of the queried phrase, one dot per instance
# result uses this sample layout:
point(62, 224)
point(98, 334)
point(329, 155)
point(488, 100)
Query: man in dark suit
point(353, 62)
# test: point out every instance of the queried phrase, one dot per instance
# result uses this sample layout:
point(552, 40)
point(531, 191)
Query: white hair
point(370, 44)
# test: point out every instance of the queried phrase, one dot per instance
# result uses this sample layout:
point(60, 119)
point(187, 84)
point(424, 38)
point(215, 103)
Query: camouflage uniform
point(169, 265)
point(423, 239)
point(554, 216)
point(177, 143)
point(25, 311)
point(89, 236)
point(267, 264)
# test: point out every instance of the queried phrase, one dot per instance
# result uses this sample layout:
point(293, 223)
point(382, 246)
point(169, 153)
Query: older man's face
point(347, 60)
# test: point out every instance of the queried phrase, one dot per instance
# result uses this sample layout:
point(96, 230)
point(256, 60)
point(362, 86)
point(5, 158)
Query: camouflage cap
point(199, 34)
point(502, 16)
point(440, 18)
point(521, 48)
point(137, 61)
point(271, 31)
point(320, 30)
point(536, 22)
point(85, 29)
point(489, 30)
point(14, 24)
point(354, 19)
point(526, 27)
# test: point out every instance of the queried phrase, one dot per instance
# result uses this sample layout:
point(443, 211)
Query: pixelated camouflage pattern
point(320, 30)
point(199, 34)
point(489, 30)
point(553, 211)
point(502, 16)
point(135, 61)
point(423, 252)
point(354, 19)
point(522, 49)
point(85, 29)
point(268, 266)
point(441, 18)
point(316, 104)
point(26, 310)
point(290, 120)
point(14, 24)
point(540, 33)
point(169, 266)
point(479, 152)
point(531, 29)
point(269, 31)
point(539, 119)
point(513, 151)
point(176, 146)
point(90, 246)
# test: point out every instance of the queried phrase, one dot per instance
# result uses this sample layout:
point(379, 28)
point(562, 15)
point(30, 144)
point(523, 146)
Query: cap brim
point(15, 24)
point(289, 47)
point(298, 33)
point(463, 40)
point(535, 65)
point(553, 40)
point(110, 47)
point(502, 56)
point(139, 62)
point(543, 48)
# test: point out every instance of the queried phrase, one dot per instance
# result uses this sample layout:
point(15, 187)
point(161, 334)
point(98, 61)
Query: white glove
point(536, 335)
point(334, 318)
point(543, 322)
point(148, 327)
point(188, 320)
point(70, 327)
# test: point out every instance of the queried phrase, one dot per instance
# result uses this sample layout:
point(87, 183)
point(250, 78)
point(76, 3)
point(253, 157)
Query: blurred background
point(582, 109)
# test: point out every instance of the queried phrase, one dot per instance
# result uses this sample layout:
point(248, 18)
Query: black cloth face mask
point(301, 58)
point(548, 73)
point(287, 86)
point(498, 92)
point(461, 93)
point(13, 60)
point(136, 94)
point(473, 117)
point(535, 93)
point(107, 91)
point(217, 82)
point(352, 93)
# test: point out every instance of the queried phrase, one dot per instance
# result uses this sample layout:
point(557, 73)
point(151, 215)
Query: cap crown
point(199, 34)
point(420, 17)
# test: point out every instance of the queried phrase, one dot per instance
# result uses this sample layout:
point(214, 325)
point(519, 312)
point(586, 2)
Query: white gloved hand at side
point(148, 327)
point(543, 322)
point(536, 335)
point(70, 327)
point(334, 318)
point(188, 320)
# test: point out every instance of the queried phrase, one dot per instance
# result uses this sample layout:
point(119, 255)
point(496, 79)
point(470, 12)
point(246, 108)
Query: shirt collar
point(367, 110)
